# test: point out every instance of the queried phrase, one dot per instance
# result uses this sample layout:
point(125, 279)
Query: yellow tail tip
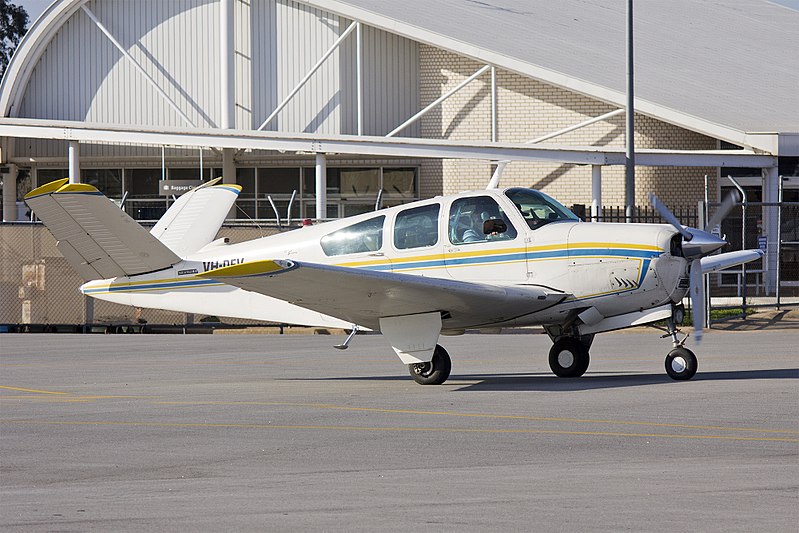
point(47, 188)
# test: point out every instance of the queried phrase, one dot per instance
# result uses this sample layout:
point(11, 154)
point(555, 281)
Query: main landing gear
point(568, 357)
point(681, 363)
point(435, 372)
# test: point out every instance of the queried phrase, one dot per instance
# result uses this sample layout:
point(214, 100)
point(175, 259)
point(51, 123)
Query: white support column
point(228, 89)
point(321, 187)
point(359, 73)
point(74, 162)
point(771, 188)
point(227, 81)
point(10, 193)
point(229, 173)
point(228, 165)
point(494, 133)
point(596, 193)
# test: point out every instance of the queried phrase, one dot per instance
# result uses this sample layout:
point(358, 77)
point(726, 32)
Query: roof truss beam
point(369, 145)
point(136, 65)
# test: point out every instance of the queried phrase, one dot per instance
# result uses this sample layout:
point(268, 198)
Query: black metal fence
point(688, 216)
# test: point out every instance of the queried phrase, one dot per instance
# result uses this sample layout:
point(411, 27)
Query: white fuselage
point(615, 268)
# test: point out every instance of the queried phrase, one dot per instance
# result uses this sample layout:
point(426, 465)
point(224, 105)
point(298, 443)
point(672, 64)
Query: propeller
point(697, 298)
point(696, 244)
point(724, 209)
point(666, 213)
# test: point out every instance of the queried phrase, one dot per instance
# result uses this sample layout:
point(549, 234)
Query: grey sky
point(33, 7)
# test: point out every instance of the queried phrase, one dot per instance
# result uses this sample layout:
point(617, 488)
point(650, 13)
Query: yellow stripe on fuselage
point(499, 251)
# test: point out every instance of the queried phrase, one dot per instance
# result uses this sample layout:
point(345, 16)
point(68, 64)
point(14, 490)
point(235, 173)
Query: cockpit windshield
point(537, 208)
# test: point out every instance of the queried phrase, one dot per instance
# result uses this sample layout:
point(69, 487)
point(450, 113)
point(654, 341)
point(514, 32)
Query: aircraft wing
point(363, 296)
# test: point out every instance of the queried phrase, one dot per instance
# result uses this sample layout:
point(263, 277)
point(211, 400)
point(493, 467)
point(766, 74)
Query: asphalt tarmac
point(268, 432)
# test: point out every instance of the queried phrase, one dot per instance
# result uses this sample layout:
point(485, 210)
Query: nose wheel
point(681, 364)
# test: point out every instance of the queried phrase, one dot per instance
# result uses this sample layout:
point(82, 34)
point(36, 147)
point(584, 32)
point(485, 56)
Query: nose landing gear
point(681, 363)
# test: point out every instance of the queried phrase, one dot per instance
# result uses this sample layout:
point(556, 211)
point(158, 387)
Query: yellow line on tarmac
point(487, 415)
point(17, 400)
point(207, 425)
point(31, 390)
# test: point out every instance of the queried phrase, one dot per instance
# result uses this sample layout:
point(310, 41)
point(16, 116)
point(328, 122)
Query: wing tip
point(47, 188)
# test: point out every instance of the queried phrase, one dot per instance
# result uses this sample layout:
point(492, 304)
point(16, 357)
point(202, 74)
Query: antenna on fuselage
point(493, 183)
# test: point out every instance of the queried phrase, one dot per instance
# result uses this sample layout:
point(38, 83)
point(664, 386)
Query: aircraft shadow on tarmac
point(548, 383)
point(544, 383)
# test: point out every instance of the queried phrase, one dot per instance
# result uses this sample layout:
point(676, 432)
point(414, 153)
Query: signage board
point(176, 187)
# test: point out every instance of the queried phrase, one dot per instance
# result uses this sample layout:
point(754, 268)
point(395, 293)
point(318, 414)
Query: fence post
point(88, 313)
point(701, 219)
point(779, 240)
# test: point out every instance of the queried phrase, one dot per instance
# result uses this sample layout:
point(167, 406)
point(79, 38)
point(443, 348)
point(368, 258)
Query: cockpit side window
point(417, 227)
point(468, 217)
point(537, 208)
point(366, 236)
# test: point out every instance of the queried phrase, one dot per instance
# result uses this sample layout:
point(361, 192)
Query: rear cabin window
point(417, 227)
point(467, 217)
point(366, 236)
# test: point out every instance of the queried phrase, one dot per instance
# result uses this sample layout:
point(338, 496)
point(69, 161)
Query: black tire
point(435, 372)
point(681, 364)
point(568, 358)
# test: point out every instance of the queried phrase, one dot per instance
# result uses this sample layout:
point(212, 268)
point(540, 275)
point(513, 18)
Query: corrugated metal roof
point(727, 63)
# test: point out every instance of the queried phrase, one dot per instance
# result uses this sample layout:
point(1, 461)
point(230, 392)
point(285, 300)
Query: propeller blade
point(714, 263)
point(666, 213)
point(697, 298)
point(724, 209)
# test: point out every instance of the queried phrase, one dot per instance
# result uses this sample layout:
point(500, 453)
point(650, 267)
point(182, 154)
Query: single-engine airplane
point(477, 260)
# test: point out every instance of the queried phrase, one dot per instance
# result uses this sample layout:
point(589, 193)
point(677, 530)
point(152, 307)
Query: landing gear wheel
point(435, 372)
point(681, 364)
point(568, 358)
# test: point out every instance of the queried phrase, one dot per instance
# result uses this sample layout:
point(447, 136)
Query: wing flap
point(93, 232)
point(363, 296)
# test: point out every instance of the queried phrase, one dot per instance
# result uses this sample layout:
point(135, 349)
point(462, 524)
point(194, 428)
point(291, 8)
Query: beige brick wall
point(529, 109)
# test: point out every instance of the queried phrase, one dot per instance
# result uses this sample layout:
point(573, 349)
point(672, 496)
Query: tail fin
point(98, 239)
point(195, 218)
